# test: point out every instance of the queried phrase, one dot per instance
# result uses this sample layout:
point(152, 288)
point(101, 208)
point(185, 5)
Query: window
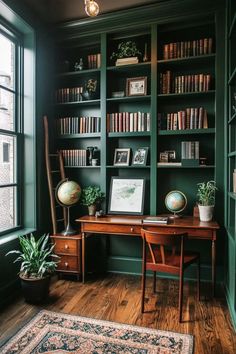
point(5, 152)
point(10, 130)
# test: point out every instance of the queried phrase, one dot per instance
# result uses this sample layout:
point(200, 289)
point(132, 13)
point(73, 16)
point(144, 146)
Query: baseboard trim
point(230, 307)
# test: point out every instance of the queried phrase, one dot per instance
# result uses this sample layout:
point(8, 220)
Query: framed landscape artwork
point(126, 196)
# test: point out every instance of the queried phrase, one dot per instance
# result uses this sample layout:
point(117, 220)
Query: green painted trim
point(103, 90)
point(15, 235)
point(145, 15)
point(116, 264)
point(230, 307)
point(187, 131)
point(153, 143)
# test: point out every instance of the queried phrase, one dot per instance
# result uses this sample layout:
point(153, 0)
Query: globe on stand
point(175, 201)
point(68, 194)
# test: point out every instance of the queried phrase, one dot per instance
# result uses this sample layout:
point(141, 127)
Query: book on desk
point(156, 220)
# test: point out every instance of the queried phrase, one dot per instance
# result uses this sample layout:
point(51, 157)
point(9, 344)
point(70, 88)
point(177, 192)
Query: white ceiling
point(53, 11)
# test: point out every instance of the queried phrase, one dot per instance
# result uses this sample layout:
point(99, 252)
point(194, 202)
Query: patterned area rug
point(57, 333)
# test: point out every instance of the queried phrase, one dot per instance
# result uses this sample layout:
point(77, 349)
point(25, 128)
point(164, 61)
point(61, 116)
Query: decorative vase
point(92, 209)
point(88, 95)
point(206, 212)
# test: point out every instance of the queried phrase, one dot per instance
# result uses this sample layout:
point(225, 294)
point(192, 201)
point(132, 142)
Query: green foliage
point(90, 85)
point(35, 256)
point(126, 50)
point(91, 195)
point(206, 193)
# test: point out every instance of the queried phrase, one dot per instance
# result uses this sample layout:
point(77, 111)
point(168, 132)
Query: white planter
point(206, 212)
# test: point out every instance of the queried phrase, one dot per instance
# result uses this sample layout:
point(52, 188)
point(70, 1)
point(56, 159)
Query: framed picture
point(171, 155)
point(136, 86)
point(121, 157)
point(140, 156)
point(126, 196)
point(163, 156)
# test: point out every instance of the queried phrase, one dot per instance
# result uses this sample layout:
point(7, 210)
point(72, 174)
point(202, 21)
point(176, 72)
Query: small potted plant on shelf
point(90, 90)
point(91, 196)
point(38, 263)
point(206, 195)
point(127, 53)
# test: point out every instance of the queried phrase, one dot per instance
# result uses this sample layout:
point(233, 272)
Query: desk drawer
point(66, 246)
point(199, 233)
point(68, 263)
point(112, 229)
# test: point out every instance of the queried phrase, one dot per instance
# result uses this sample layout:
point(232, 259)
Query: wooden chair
point(173, 260)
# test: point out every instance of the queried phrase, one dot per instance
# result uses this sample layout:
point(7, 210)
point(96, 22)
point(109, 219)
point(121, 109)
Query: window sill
point(14, 235)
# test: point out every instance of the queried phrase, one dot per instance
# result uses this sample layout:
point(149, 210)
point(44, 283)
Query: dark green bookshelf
point(155, 29)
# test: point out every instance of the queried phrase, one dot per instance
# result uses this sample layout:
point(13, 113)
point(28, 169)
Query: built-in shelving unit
point(116, 106)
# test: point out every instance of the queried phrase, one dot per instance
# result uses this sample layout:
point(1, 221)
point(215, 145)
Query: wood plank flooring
point(117, 298)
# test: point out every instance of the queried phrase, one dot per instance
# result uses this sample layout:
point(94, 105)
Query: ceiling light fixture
point(91, 8)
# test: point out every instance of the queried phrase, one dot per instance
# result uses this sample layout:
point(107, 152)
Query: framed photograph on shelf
point(136, 86)
point(121, 157)
point(140, 156)
point(126, 195)
point(171, 155)
point(163, 157)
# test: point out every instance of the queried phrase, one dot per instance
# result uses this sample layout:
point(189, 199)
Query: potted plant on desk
point(37, 266)
point(91, 196)
point(206, 194)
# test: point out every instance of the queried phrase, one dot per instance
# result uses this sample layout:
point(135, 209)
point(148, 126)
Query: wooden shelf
point(130, 167)
point(129, 98)
point(232, 154)
point(201, 167)
point(128, 134)
point(79, 136)
point(198, 59)
point(130, 67)
point(89, 167)
point(187, 131)
point(186, 94)
point(78, 103)
point(77, 73)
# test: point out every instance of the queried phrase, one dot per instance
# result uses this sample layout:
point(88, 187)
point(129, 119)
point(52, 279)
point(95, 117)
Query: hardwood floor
point(117, 298)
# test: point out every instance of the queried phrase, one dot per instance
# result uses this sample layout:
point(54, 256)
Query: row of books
point(94, 61)
point(78, 125)
point(74, 157)
point(184, 49)
point(170, 83)
point(190, 118)
point(128, 122)
point(190, 150)
point(68, 94)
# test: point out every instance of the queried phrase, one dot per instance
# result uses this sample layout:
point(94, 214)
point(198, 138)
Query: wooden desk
point(131, 226)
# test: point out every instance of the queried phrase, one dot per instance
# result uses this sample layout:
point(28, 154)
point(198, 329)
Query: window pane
point(7, 62)
point(7, 159)
point(8, 218)
point(6, 110)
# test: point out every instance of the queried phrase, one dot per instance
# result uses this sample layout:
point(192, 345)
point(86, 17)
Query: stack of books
point(156, 220)
point(127, 61)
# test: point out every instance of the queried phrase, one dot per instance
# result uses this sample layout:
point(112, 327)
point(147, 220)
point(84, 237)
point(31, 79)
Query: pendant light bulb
point(91, 8)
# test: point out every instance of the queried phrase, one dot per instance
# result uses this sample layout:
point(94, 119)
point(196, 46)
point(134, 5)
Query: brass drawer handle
point(131, 229)
point(66, 247)
point(66, 264)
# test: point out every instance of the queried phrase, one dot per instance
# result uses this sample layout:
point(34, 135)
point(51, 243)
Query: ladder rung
point(56, 171)
point(53, 155)
point(58, 220)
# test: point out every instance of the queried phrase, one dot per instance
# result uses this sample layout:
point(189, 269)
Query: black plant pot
point(88, 95)
point(35, 290)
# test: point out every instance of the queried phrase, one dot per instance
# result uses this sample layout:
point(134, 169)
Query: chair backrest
point(160, 240)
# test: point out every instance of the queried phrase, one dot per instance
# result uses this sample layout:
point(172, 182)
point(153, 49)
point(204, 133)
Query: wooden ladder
point(55, 173)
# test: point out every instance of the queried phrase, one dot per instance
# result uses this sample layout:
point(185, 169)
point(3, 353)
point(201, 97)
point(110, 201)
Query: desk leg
point(213, 267)
point(83, 257)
